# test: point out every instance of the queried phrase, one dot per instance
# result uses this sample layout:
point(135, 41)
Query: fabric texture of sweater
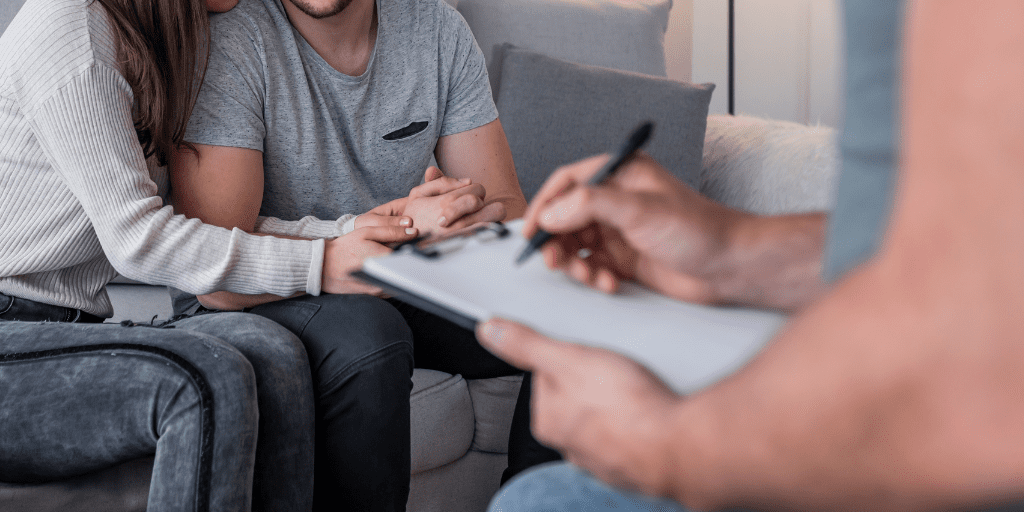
point(78, 201)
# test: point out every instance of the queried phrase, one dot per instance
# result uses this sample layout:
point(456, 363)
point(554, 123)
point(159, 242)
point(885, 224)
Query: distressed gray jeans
point(223, 403)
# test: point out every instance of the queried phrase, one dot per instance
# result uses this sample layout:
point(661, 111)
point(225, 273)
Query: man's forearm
point(901, 388)
point(772, 262)
point(799, 427)
point(228, 301)
point(515, 205)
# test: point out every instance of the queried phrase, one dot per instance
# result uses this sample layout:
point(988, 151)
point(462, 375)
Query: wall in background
point(679, 41)
point(788, 56)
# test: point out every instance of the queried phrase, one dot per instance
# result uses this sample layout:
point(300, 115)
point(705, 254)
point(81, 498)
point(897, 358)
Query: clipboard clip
point(430, 247)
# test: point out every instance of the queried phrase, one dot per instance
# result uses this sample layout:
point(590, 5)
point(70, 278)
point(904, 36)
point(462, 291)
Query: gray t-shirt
point(335, 144)
point(870, 134)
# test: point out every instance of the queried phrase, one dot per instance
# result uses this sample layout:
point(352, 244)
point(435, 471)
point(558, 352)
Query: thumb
point(519, 345)
point(388, 234)
point(585, 205)
point(432, 174)
point(367, 220)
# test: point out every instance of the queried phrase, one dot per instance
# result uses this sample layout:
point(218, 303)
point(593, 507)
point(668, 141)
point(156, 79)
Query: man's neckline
point(314, 33)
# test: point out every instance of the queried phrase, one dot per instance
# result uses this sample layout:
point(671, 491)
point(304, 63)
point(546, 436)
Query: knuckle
point(474, 202)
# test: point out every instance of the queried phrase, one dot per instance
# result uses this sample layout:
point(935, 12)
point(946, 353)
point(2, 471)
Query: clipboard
point(470, 276)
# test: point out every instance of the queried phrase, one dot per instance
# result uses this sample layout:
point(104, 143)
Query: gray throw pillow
point(617, 34)
point(555, 112)
point(8, 8)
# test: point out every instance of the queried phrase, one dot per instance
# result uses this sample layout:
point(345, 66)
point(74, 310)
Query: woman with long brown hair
point(94, 96)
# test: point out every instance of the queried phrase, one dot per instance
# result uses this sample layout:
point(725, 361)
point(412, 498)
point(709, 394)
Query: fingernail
point(410, 231)
point(492, 332)
point(466, 181)
point(547, 217)
point(405, 222)
point(442, 222)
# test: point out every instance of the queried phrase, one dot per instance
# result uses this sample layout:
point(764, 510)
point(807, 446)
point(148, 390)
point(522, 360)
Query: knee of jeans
point(361, 323)
point(358, 335)
point(546, 487)
point(223, 382)
point(254, 333)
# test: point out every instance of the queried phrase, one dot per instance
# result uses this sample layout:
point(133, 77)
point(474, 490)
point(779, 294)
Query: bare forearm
point(228, 301)
point(772, 262)
point(515, 205)
point(799, 427)
point(900, 389)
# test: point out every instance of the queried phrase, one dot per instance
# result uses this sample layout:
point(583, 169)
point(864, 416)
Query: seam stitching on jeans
point(351, 368)
point(205, 397)
point(294, 305)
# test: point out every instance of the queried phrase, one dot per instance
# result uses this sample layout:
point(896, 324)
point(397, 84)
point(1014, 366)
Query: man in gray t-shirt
point(336, 142)
point(313, 112)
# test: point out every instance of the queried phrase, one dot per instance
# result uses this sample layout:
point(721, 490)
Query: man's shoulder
point(250, 19)
point(425, 14)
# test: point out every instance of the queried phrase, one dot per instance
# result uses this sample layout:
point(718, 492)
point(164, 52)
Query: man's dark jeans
point(362, 351)
point(79, 398)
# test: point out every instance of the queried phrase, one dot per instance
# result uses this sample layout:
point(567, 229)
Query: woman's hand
point(344, 255)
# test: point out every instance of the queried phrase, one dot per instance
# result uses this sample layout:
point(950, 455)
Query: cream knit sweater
point(78, 201)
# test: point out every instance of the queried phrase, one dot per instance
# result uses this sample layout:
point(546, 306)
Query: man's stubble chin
point(322, 11)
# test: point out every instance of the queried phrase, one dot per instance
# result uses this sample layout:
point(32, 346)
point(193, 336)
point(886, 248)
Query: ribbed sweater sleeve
point(85, 129)
point(306, 227)
point(77, 200)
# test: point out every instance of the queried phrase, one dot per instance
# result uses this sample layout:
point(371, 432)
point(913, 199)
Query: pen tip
point(522, 257)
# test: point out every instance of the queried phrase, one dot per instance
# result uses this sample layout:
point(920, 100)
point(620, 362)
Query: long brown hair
point(162, 46)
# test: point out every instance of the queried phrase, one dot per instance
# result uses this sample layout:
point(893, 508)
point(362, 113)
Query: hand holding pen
point(642, 224)
point(636, 140)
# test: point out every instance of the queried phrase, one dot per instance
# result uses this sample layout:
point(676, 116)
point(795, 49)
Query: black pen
point(636, 140)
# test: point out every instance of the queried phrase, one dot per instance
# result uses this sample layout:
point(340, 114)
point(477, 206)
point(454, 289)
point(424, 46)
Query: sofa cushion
point(769, 167)
point(492, 414)
point(443, 419)
point(8, 8)
point(466, 485)
point(556, 112)
point(574, 30)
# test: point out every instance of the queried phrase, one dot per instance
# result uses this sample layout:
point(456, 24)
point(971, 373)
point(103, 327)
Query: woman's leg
point(360, 355)
point(79, 398)
point(283, 478)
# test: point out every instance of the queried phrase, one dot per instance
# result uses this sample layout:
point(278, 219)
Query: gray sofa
point(459, 427)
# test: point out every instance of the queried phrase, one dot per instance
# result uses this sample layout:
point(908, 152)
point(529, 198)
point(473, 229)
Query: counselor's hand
point(604, 412)
point(345, 254)
point(643, 224)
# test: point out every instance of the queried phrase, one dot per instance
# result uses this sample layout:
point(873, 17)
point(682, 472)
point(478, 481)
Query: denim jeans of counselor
point(78, 398)
point(562, 487)
point(362, 351)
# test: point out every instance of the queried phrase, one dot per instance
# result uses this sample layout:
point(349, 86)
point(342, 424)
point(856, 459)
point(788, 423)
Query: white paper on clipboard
point(688, 346)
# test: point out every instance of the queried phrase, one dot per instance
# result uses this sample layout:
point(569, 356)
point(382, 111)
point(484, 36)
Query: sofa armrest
point(769, 167)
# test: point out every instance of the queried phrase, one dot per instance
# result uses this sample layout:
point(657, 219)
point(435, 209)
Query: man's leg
point(561, 487)
point(444, 346)
point(283, 478)
point(80, 398)
point(360, 353)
